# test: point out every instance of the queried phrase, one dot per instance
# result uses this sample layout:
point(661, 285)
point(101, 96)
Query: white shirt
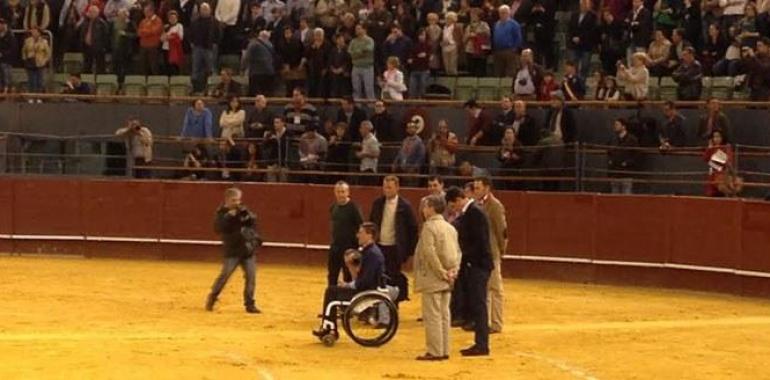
point(529, 87)
point(227, 11)
point(465, 208)
point(175, 29)
point(388, 227)
point(732, 7)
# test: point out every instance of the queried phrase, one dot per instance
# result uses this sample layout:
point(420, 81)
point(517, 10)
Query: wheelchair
point(370, 318)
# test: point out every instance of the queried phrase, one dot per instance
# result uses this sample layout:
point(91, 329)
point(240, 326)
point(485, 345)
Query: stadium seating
point(135, 85)
point(106, 84)
point(157, 85)
point(179, 86)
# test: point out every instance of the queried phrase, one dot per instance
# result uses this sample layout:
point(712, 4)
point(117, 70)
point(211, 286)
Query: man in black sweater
point(473, 233)
point(368, 278)
point(345, 218)
point(237, 227)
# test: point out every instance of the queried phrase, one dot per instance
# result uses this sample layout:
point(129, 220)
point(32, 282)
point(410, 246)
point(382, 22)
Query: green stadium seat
point(488, 89)
point(466, 88)
point(506, 85)
point(59, 80)
point(667, 88)
point(213, 82)
point(179, 86)
point(106, 84)
point(72, 62)
point(653, 89)
point(19, 79)
point(157, 85)
point(722, 87)
point(135, 85)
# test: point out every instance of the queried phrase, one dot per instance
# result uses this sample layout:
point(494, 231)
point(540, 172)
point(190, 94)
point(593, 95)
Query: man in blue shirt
point(368, 277)
point(506, 43)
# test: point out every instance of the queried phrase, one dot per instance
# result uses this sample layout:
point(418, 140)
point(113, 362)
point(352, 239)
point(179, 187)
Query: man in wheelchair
point(366, 277)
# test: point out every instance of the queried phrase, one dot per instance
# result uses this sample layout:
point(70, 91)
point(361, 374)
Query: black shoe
point(320, 332)
point(210, 301)
point(419, 319)
point(431, 358)
point(458, 323)
point(470, 326)
point(251, 309)
point(474, 351)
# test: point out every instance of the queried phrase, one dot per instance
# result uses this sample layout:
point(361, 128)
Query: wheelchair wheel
point(330, 338)
point(371, 319)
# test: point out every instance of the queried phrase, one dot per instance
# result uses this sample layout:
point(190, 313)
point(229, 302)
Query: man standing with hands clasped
point(436, 262)
point(473, 234)
point(237, 227)
point(498, 239)
point(345, 220)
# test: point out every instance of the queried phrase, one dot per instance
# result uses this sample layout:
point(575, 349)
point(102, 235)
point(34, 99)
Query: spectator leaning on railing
point(411, 156)
point(442, 148)
point(259, 119)
point(688, 76)
point(138, 144)
point(622, 158)
point(368, 153)
point(198, 121)
point(672, 134)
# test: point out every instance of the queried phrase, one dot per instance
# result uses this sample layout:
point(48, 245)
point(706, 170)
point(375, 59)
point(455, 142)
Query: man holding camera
point(138, 144)
point(237, 227)
point(758, 68)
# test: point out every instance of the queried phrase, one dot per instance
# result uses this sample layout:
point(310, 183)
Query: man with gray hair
point(317, 55)
point(436, 263)
point(506, 42)
point(528, 78)
point(369, 152)
point(259, 61)
point(237, 227)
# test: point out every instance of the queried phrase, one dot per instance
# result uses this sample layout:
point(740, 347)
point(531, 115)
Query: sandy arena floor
point(67, 318)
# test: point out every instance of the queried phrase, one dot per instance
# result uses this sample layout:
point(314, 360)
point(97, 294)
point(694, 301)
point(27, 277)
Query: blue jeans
point(5, 76)
point(249, 266)
point(418, 81)
point(35, 80)
point(363, 77)
point(583, 60)
point(202, 66)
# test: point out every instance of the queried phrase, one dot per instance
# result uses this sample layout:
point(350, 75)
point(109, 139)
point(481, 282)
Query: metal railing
point(574, 167)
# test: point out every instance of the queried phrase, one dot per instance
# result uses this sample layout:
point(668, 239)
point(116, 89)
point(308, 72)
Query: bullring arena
point(112, 286)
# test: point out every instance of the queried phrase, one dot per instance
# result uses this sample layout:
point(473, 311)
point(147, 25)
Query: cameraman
point(237, 227)
point(138, 144)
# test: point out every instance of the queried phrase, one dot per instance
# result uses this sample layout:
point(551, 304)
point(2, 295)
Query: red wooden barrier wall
point(710, 244)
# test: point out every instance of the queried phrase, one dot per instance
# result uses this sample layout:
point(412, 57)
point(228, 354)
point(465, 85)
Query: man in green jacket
point(361, 51)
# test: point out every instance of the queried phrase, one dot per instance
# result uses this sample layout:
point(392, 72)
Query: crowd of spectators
point(388, 48)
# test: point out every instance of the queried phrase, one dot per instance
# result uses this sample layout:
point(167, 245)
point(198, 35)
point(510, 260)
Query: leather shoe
point(252, 309)
point(458, 323)
point(320, 332)
point(474, 351)
point(429, 357)
point(470, 326)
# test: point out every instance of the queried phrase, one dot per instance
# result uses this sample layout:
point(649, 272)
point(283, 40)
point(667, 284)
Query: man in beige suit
point(436, 262)
point(498, 239)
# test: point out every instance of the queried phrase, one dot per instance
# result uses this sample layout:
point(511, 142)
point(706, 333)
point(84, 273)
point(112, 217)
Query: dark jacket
point(639, 28)
point(406, 225)
point(576, 86)
point(473, 234)
point(8, 48)
point(317, 60)
point(260, 58)
point(502, 121)
point(529, 132)
point(689, 78)
point(257, 122)
point(232, 231)
point(758, 68)
point(721, 122)
point(354, 122)
point(100, 35)
point(585, 30)
point(622, 158)
point(673, 131)
point(204, 33)
point(384, 127)
point(275, 148)
point(567, 124)
point(372, 268)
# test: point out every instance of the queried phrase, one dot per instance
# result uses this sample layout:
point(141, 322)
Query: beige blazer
point(498, 226)
point(438, 251)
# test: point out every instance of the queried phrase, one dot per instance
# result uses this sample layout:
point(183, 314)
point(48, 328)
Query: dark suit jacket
point(529, 132)
point(567, 124)
point(406, 224)
point(585, 30)
point(358, 115)
point(640, 28)
point(473, 233)
point(99, 35)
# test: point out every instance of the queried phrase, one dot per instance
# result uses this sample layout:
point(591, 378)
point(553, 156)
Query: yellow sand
point(66, 318)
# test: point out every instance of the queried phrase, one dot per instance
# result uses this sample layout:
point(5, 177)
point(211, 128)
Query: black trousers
point(393, 263)
point(93, 61)
point(335, 264)
point(335, 293)
point(477, 279)
point(261, 84)
point(458, 304)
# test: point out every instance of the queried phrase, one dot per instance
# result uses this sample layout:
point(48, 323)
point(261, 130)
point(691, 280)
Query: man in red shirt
point(149, 31)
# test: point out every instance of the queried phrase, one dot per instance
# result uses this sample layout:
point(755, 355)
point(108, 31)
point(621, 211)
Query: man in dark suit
point(639, 27)
point(352, 116)
point(526, 128)
point(473, 233)
point(582, 36)
point(398, 232)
